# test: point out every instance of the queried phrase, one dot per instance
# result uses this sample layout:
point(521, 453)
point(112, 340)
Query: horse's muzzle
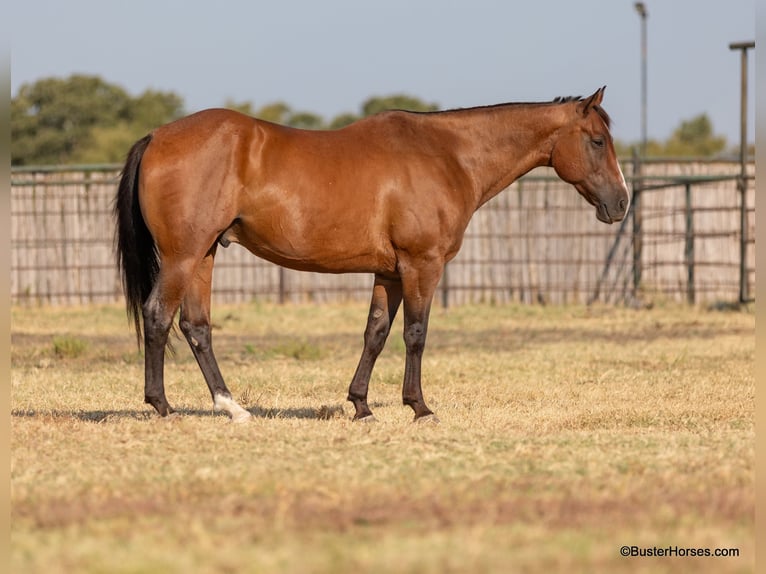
point(610, 214)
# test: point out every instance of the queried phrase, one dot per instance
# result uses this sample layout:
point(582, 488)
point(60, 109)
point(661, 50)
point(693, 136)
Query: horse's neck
point(502, 143)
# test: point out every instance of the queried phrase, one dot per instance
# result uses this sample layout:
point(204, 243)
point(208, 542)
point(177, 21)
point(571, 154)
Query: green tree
point(376, 104)
point(277, 112)
point(242, 107)
point(306, 121)
point(396, 102)
point(281, 113)
point(51, 118)
point(82, 118)
point(695, 137)
point(109, 143)
point(342, 120)
point(152, 109)
point(692, 138)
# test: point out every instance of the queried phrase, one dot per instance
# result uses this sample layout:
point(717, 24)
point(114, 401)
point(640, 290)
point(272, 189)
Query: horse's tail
point(137, 258)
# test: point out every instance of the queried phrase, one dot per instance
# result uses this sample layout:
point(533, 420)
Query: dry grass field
point(566, 433)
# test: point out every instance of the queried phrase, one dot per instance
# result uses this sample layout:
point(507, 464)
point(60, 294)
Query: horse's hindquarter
point(188, 180)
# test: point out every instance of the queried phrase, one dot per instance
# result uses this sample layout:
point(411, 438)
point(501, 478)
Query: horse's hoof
point(225, 404)
point(171, 417)
point(241, 417)
point(367, 419)
point(431, 419)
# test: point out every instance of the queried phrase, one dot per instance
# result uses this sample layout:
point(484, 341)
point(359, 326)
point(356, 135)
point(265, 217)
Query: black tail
point(137, 257)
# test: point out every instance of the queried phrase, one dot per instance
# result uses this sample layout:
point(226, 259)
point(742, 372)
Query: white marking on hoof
point(230, 406)
point(428, 419)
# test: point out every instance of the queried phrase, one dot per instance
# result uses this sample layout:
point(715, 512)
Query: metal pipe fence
point(536, 242)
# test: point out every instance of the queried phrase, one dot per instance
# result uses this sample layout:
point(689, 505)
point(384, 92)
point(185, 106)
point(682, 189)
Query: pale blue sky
point(328, 57)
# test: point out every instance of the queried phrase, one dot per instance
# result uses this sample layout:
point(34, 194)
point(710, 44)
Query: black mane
point(566, 99)
point(559, 100)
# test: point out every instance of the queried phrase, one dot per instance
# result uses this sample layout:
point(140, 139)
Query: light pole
point(744, 295)
point(637, 159)
point(642, 12)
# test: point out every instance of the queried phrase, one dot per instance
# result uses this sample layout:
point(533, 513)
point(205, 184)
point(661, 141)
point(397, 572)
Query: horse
point(390, 194)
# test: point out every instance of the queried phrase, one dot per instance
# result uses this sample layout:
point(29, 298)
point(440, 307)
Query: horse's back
point(380, 141)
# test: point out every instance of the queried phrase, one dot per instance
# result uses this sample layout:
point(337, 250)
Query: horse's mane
point(559, 100)
point(565, 99)
point(604, 116)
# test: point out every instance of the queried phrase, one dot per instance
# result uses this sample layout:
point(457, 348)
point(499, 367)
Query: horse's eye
point(598, 142)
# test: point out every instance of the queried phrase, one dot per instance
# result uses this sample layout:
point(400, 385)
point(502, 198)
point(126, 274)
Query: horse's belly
point(328, 253)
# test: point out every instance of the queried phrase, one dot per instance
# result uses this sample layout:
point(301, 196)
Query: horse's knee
point(376, 333)
point(156, 322)
point(198, 336)
point(186, 327)
point(415, 337)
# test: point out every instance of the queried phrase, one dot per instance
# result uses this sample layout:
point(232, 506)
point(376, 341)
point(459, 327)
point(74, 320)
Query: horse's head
point(583, 155)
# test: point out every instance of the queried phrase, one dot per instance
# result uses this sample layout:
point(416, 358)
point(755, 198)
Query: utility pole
point(644, 14)
point(639, 158)
point(743, 47)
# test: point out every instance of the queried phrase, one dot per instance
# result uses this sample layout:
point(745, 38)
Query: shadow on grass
point(323, 412)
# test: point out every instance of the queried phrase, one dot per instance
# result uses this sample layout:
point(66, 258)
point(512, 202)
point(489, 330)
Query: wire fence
point(536, 242)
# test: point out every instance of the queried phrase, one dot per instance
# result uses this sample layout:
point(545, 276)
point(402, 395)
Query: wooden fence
point(538, 241)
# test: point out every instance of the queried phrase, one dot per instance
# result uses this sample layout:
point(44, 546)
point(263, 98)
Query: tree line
point(84, 119)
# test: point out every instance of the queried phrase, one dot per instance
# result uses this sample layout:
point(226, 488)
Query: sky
point(328, 57)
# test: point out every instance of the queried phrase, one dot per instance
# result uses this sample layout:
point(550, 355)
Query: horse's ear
point(594, 100)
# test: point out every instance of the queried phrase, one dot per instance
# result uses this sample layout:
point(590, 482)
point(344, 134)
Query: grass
point(68, 347)
point(567, 432)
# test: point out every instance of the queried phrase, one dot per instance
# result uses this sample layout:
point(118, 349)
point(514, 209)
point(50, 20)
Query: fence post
point(689, 250)
point(282, 286)
point(445, 287)
point(608, 263)
point(744, 294)
point(637, 223)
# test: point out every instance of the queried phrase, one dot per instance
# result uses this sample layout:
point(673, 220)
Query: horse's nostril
point(623, 203)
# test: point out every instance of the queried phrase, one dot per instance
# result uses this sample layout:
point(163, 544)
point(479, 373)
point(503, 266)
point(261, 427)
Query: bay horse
point(390, 194)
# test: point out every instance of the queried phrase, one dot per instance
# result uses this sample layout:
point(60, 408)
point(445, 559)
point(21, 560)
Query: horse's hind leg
point(195, 325)
point(158, 312)
point(386, 297)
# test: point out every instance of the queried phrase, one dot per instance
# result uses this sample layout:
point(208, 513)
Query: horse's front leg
point(386, 297)
point(419, 284)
